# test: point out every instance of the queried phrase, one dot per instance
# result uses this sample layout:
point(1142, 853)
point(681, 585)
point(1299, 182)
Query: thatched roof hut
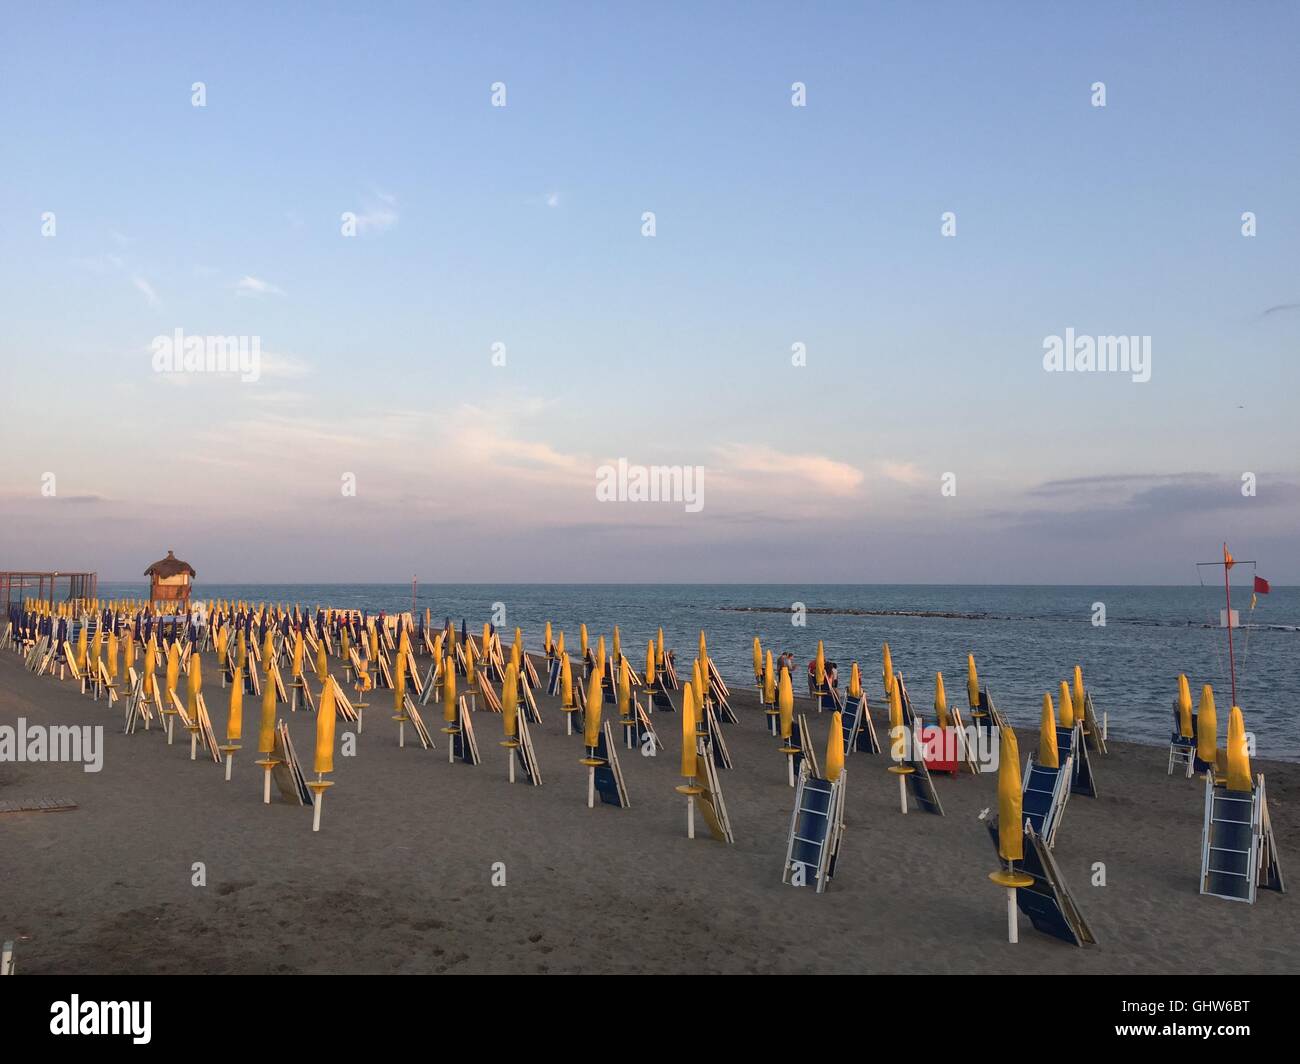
point(169, 579)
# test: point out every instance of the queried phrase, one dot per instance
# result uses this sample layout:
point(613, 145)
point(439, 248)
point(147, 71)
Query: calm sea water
point(1025, 639)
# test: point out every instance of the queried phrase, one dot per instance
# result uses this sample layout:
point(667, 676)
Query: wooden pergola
point(16, 586)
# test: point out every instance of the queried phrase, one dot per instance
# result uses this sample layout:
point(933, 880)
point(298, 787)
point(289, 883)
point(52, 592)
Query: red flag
point(1261, 586)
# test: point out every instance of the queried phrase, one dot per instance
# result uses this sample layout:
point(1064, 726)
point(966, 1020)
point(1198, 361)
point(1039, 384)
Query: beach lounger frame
point(1050, 790)
point(816, 828)
point(1047, 901)
point(1238, 848)
point(527, 755)
point(712, 806)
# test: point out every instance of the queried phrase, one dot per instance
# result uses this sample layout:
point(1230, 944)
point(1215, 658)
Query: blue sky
point(775, 225)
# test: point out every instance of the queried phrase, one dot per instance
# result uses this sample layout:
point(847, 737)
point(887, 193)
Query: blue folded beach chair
point(1238, 848)
point(1046, 791)
point(816, 830)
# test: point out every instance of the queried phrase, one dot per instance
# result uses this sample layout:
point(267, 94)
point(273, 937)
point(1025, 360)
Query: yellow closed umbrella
point(266, 727)
point(449, 688)
point(697, 677)
point(559, 645)
point(624, 690)
point(299, 650)
point(1079, 694)
point(510, 702)
point(112, 656)
point(235, 721)
point(941, 702)
point(547, 641)
point(972, 683)
point(895, 711)
point(469, 664)
point(194, 685)
point(689, 734)
point(241, 650)
point(855, 681)
point(325, 730)
point(618, 647)
point(81, 651)
point(600, 656)
point(322, 665)
point(758, 659)
point(1184, 707)
point(785, 703)
point(690, 758)
point(510, 717)
point(1067, 706)
point(785, 710)
point(887, 663)
point(1238, 753)
point(1011, 831)
point(591, 730)
point(591, 735)
point(819, 667)
point(566, 683)
point(659, 648)
point(1207, 728)
point(582, 640)
point(399, 685)
point(650, 663)
point(1048, 755)
point(324, 749)
point(173, 672)
point(835, 748)
point(769, 680)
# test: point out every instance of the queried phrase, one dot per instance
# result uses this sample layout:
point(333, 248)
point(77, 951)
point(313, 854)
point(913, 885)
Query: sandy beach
point(400, 877)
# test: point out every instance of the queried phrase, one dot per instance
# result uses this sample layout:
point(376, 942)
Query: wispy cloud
point(378, 213)
point(813, 470)
point(901, 472)
point(255, 286)
point(147, 290)
point(552, 199)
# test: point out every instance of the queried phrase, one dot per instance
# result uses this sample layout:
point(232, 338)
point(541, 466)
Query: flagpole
point(1227, 592)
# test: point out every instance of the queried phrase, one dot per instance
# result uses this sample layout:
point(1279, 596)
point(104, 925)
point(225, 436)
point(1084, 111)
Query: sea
point(1132, 642)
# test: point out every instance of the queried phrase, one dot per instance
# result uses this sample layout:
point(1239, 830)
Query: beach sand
point(399, 879)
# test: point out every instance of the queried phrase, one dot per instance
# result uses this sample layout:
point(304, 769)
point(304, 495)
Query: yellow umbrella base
point(1003, 878)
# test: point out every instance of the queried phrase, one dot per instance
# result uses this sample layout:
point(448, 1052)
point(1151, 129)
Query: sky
point(920, 439)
